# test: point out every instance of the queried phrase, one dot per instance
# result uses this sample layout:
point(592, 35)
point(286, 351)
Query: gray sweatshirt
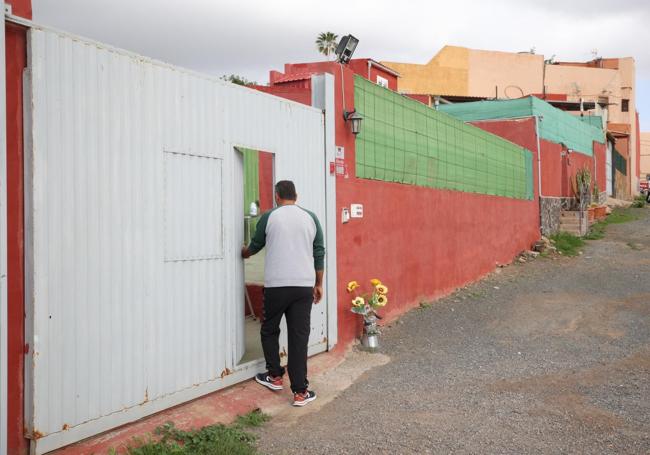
point(294, 246)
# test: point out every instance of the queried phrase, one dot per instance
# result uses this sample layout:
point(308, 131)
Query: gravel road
point(551, 356)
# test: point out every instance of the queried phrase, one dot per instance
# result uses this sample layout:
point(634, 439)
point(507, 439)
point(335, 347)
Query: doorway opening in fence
point(258, 197)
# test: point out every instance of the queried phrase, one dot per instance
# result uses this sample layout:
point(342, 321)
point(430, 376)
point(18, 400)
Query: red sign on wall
point(339, 168)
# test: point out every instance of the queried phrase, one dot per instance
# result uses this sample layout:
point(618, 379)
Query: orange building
point(603, 87)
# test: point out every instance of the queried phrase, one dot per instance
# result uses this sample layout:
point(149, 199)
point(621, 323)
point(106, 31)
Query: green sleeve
point(259, 238)
point(319, 246)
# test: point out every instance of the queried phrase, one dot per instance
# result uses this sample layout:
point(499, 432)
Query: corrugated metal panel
point(137, 279)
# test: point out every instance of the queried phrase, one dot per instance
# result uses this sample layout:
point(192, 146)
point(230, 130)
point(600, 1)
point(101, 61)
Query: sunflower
point(358, 302)
point(352, 285)
point(381, 289)
point(382, 300)
point(375, 281)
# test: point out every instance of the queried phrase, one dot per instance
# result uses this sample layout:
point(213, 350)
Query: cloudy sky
point(250, 38)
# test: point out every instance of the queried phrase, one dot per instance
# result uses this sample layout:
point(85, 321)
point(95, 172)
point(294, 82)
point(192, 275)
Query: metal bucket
point(370, 342)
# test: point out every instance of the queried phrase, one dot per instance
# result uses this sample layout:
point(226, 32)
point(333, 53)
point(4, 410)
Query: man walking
point(293, 279)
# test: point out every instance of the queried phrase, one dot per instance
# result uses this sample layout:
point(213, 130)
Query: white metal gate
point(134, 274)
point(608, 169)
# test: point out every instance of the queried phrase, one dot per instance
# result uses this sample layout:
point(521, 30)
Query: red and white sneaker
point(301, 399)
point(268, 381)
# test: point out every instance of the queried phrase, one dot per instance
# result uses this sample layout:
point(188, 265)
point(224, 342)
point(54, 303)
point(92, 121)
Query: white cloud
point(250, 38)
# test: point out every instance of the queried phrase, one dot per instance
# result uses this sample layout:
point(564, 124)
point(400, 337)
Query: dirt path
point(551, 356)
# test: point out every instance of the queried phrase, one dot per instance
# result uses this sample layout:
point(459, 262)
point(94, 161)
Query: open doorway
point(258, 189)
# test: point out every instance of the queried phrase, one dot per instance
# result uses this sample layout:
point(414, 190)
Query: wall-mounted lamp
point(355, 120)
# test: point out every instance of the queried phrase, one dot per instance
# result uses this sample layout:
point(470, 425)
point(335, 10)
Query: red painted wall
point(423, 243)
point(16, 60)
point(424, 99)
point(551, 96)
point(518, 131)
point(266, 180)
point(557, 170)
point(360, 67)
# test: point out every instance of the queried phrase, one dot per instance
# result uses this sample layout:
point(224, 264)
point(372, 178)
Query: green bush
point(639, 202)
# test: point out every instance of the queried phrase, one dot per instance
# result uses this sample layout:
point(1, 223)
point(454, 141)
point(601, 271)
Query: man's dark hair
point(285, 189)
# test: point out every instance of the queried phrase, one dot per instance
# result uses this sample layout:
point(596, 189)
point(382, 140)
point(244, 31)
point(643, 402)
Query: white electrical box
point(356, 210)
point(345, 215)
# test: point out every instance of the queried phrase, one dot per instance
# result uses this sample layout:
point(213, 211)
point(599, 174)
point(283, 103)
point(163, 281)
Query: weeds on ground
point(425, 305)
point(633, 246)
point(621, 216)
point(596, 232)
point(639, 202)
point(617, 216)
point(567, 244)
point(211, 440)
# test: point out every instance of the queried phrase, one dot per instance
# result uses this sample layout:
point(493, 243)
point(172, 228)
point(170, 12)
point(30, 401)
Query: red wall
point(421, 242)
point(266, 181)
point(16, 59)
point(360, 67)
point(557, 171)
point(521, 132)
point(424, 99)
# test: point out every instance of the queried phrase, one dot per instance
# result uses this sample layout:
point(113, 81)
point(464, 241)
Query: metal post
point(323, 98)
point(3, 244)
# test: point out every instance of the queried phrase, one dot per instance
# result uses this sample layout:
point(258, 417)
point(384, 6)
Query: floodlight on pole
point(346, 48)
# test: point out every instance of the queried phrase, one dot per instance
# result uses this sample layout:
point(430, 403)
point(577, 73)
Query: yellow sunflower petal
point(375, 281)
point(352, 285)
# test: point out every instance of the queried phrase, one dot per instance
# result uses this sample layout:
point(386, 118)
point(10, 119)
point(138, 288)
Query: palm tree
point(326, 43)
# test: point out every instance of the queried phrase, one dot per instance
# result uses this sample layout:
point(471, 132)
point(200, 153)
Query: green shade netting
point(554, 125)
point(402, 140)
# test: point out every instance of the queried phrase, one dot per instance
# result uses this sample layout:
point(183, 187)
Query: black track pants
point(295, 303)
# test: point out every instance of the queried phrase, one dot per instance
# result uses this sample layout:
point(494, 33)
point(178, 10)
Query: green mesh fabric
point(593, 120)
point(619, 162)
point(251, 178)
point(554, 125)
point(402, 140)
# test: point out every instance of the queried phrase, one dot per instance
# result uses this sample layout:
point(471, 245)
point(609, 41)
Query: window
point(625, 105)
point(382, 81)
